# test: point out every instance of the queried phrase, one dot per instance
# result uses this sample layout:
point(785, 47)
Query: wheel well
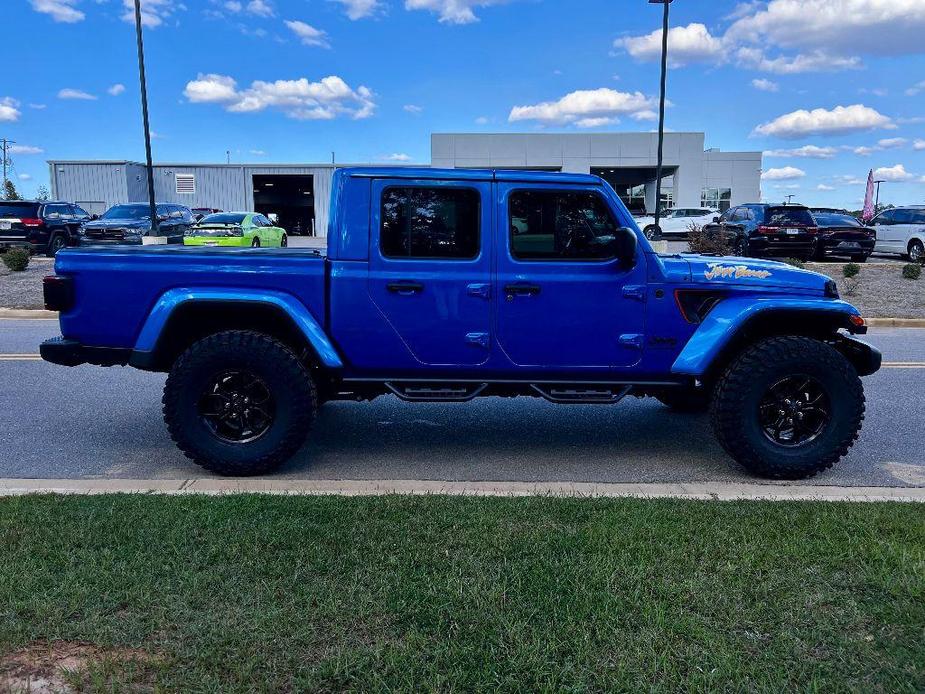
point(194, 320)
point(820, 325)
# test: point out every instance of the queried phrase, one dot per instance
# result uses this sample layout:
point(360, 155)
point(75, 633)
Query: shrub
point(16, 259)
point(851, 270)
point(795, 262)
point(699, 241)
point(912, 271)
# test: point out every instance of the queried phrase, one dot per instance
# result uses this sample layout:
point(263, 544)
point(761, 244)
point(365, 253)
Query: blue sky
point(831, 88)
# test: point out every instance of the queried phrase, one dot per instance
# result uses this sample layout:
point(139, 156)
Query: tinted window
point(79, 211)
point(903, 216)
point(430, 223)
point(57, 211)
point(827, 219)
point(223, 218)
point(264, 221)
point(884, 218)
point(18, 209)
point(918, 216)
point(784, 216)
point(127, 212)
point(550, 225)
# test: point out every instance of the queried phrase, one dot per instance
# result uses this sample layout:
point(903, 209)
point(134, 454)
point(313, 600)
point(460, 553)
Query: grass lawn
point(260, 593)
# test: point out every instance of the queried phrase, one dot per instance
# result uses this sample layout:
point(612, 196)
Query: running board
point(437, 392)
point(579, 393)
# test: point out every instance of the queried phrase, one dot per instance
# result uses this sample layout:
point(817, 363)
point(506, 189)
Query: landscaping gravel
point(881, 290)
point(24, 289)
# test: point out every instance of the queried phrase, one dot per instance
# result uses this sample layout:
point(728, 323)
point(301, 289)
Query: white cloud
point(819, 121)
point(824, 187)
point(583, 105)
point(916, 88)
point(153, 12)
point(804, 152)
point(260, 8)
point(785, 173)
point(326, 99)
point(116, 89)
point(25, 149)
point(764, 85)
point(892, 142)
point(59, 10)
point(596, 122)
point(308, 35)
point(9, 110)
point(25, 177)
point(399, 157)
point(894, 173)
point(413, 108)
point(451, 11)
point(816, 61)
point(481, 120)
point(38, 107)
point(850, 180)
point(686, 44)
point(75, 94)
point(359, 9)
point(258, 152)
point(918, 145)
point(864, 151)
point(233, 6)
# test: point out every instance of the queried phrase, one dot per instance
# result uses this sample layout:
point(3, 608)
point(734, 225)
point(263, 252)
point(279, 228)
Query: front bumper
point(72, 353)
point(865, 358)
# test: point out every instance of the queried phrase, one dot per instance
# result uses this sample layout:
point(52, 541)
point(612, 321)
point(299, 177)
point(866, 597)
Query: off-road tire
point(287, 379)
point(686, 400)
point(744, 383)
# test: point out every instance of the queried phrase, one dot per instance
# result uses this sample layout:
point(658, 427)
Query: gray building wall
point(225, 186)
point(683, 153)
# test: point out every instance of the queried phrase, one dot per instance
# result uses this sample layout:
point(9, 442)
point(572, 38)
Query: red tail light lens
point(59, 292)
point(31, 222)
point(767, 230)
point(812, 230)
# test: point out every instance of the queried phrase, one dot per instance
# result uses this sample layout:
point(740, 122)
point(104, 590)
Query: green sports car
point(236, 229)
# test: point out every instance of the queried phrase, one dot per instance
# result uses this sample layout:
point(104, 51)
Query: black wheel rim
point(794, 411)
point(57, 244)
point(237, 406)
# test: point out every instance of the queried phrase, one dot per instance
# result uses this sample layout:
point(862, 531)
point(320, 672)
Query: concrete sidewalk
point(700, 490)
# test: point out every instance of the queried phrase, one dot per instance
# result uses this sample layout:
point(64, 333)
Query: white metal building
point(299, 194)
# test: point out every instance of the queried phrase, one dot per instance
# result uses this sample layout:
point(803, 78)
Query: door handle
point(405, 288)
point(513, 290)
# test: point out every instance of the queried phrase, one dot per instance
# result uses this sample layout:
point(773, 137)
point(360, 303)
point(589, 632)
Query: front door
point(430, 267)
point(564, 299)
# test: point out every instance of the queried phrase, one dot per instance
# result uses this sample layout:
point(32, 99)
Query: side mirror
point(716, 220)
point(94, 217)
point(625, 244)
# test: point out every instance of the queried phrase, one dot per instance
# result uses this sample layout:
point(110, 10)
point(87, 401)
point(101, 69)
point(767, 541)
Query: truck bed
point(116, 287)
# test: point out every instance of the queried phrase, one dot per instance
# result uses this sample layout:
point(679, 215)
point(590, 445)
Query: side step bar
point(601, 395)
point(437, 392)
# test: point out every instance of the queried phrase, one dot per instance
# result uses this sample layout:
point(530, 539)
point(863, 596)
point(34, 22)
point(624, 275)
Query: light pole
point(877, 202)
point(144, 115)
point(661, 108)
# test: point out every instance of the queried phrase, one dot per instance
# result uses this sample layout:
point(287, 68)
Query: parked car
point(842, 235)
point(676, 223)
point(236, 229)
point(131, 222)
point(200, 212)
point(446, 285)
point(782, 231)
point(42, 227)
point(901, 231)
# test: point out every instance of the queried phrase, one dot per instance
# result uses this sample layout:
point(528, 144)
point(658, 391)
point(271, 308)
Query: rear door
point(901, 229)
point(430, 267)
point(563, 298)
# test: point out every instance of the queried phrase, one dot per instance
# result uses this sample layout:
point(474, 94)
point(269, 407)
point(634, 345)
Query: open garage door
point(287, 199)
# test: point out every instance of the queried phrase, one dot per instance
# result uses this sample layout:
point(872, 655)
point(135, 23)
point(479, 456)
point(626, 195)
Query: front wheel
point(239, 403)
point(788, 407)
point(284, 241)
point(57, 242)
point(916, 251)
point(652, 232)
point(255, 243)
point(740, 247)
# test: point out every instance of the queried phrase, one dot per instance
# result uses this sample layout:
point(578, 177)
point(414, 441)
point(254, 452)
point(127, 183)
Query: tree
point(42, 194)
point(9, 191)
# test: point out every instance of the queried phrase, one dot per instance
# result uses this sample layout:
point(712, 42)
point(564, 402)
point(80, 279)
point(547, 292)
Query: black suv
point(42, 227)
point(783, 231)
point(131, 222)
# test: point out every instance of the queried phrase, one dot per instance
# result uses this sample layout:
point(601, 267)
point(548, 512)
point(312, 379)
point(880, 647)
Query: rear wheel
point(55, 244)
point(740, 247)
point(652, 232)
point(239, 403)
point(916, 252)
point(255, 243)
point(284, 241)
point(788, 407)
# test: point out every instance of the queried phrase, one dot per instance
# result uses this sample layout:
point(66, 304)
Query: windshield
point(18, 209)
point(127, 212)
point(795, 216)
point(223, 218)
point(836, 220)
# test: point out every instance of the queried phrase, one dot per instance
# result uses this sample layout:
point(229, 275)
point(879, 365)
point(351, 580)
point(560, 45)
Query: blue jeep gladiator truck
point(447, 285)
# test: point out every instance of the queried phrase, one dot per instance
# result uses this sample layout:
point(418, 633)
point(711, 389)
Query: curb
point(28, 314)
point(41, 314)
point(702, 491)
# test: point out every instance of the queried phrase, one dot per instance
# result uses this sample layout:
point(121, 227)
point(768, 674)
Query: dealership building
point(299, 194)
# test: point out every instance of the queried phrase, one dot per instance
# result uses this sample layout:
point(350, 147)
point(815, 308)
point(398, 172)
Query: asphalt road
point(90, 422)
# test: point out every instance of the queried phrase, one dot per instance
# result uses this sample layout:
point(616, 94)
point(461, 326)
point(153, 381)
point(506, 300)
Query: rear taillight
point(32, 222)
point(59, 292)
point(767, 230)
point(811, 230)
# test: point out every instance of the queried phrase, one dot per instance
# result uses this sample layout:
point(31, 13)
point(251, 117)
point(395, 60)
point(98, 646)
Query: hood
point(118, 224)
point(753, 273)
